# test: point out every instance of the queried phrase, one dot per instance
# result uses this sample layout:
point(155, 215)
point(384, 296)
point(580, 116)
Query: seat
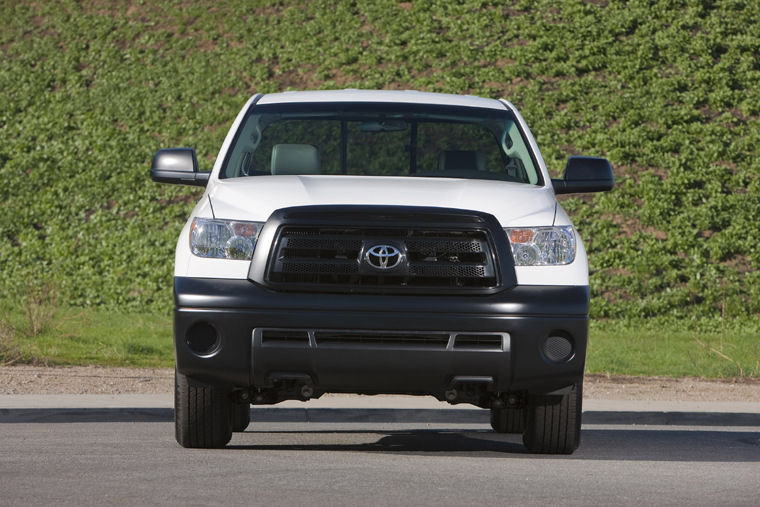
point(294, 159)
point(462, 160)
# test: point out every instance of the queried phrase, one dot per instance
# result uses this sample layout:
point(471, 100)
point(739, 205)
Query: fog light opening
point(202, 338)
point(558, 348)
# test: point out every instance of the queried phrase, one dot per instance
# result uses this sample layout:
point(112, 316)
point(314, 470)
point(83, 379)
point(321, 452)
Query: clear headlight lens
point(542, 246)
point(223, 239)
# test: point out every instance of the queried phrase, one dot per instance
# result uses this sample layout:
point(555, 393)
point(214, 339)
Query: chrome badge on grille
point(383, 256)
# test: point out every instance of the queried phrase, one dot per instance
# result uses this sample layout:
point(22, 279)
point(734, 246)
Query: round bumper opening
point(202, 339)
point(558, 348)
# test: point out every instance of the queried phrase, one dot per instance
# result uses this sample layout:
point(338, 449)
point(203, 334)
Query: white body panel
point(513, 204)
point(401, 96)
point(255, 198)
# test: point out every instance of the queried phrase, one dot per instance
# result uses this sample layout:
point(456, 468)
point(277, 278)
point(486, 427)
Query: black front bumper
point(238, 310)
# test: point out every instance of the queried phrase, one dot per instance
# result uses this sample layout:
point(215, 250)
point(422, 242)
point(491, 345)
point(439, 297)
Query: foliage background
point(666, 89)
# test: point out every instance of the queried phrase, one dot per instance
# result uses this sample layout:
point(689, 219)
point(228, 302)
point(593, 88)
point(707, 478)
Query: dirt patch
point(97, 380)
point(84, 380)
point(602, 387)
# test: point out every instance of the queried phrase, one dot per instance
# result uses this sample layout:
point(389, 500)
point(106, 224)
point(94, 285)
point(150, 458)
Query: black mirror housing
point(585, 174)
point(178, 166)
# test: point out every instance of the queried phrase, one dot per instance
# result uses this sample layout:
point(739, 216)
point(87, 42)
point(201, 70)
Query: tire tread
point(554, 422)
point(202, 414)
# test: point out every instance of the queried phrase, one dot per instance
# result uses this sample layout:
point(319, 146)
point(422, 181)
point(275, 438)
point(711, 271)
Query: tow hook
point(307, 391)
point(242, 396)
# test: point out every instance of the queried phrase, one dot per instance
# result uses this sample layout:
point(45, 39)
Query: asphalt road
point(374, 463)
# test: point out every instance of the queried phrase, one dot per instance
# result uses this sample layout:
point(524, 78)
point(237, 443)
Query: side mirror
point(178, 166)
point(585, 174)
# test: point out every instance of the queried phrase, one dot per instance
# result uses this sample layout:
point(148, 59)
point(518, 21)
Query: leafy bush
point(667, 89)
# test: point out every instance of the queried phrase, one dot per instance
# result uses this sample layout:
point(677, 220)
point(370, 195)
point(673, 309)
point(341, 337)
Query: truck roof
point(398, 96)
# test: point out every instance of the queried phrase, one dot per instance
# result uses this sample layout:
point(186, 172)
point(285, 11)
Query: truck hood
point(255, 198)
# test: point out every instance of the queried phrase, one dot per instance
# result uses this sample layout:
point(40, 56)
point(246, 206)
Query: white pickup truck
point(380, 242)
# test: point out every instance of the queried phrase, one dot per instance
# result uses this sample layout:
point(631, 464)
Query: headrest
point(295, 159)
point(462, 160)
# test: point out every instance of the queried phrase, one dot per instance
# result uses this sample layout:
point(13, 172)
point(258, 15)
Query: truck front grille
point(336, 257)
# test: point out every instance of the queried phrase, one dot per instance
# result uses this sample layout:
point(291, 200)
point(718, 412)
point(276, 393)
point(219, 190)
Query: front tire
point(553, 424)
point(202, 414)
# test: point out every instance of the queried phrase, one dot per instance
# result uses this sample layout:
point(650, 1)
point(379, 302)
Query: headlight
point(542, 246)
point(223, 239)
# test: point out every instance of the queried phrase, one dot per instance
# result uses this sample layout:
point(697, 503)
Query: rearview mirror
point(384, 126)
point(585, 174)
point(178, 166)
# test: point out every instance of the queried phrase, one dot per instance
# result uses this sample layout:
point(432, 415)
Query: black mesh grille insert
point(441, 270)
point(337, 258)
point(434, 247)
point(318, 268)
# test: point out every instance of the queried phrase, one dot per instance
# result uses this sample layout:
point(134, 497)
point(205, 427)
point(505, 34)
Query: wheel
point(241, 416)
point(553, 423)
point(508, 420)
point(202, 413)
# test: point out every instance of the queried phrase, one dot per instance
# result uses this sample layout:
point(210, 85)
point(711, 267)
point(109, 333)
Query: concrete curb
point(380, 415)
point(364, 409)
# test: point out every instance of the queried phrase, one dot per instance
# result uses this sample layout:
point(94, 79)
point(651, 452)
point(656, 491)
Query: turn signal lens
point(520, 235)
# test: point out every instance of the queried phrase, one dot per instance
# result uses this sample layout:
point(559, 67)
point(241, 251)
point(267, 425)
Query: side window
point(519, 163)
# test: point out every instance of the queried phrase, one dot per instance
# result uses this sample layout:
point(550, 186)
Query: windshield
point(380, 140)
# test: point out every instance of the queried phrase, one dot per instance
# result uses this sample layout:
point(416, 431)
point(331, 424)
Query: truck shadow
point(646, 444)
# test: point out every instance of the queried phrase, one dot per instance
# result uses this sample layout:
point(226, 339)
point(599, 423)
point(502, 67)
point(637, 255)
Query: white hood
point(255, 198)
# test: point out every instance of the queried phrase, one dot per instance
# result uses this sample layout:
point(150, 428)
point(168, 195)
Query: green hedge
point(668, 90)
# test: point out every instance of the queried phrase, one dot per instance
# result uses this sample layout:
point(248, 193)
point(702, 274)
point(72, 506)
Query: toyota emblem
point(383, 256)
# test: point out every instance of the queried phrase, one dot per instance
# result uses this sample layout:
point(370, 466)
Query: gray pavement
point(377, 464)
point(373, 451)
point(337, 408)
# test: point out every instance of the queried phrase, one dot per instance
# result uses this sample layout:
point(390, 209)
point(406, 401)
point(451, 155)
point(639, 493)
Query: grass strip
point(674, 348)
point(645, 347)
point(76, 336)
